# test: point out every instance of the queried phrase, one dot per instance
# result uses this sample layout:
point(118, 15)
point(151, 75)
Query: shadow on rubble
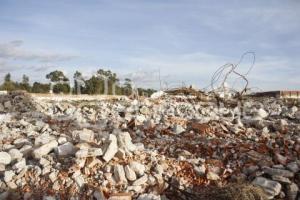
point(230, 192)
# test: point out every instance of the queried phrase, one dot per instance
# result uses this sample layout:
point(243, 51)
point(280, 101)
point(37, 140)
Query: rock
point(79, 180)
point(281, 159)
point(7, 104)
point(159, 169)
point(120, 196)
point(293, 166)
point(91, 152)
point(43, 139)
point(144, 110)
point(157, 94)
point(66, 149)
point(149, 197)
point(86, 135)
point(261, 113)
point(124, 142)
point(44, 149)
point(62, 140)
point(138, 168)
point(2, 167)
point(121, 154)
point(281, 179)
point(200, 171)
point(5, 158)
point(141, 181)
point(99, 195)
point(119, 174)
point(8, 175)
point(272, 188)
point(15, 154)
point(297, 115)
point(130, 174)
point(212, 176)
point(278, 172)
point(178, 129)
point(19, 165)
point(292, 191)
point(112, 148)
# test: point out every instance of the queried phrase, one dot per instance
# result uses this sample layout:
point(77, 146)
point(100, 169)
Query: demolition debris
point(164, 147)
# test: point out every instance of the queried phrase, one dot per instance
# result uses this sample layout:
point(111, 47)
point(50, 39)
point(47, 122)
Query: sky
point(154, 42)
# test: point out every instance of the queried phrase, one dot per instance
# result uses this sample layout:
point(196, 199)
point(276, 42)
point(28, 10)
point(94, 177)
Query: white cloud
point(13, 51)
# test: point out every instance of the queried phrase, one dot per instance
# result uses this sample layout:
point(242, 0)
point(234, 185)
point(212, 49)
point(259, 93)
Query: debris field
point(165, 147)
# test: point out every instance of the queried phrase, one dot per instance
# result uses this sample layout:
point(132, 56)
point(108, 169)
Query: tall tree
point(60, 81)
point(8, 84)
point(24, 85)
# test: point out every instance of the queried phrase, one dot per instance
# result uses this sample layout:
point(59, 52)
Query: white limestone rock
point(138, 168)
point(66, 149)
point(44, 149)
point(119, 174)
point(272, 188)
point(112, 148)
point(130, 174)
point(5, 158)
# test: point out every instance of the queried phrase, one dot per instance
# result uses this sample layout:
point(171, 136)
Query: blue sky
point(186, 40)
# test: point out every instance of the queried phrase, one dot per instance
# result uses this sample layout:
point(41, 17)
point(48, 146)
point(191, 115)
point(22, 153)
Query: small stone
point(15, 154)
point(200, 171)
point(280, 158)
point(119, 174)
point(130, 174)
point(144, 110)
point(149, 197)
point(99, 195)
point(56, 185)
point(86, 135)
point(62, 140)
point(293, 166)
point(44, 149)
point(292, 191)
point(279, 172)
point(178, 129)
point(120, 196)
point(8, 175)
point(91, 152)
point(124, 142)
point(19, 165)
point(79, 180)
point(7, 104)
point(212, 176)
point(121, 154)
point(53, 176)
point(112, 148)
point(272, 188)
point(138, 168)
point(2, 167)
point(5, 158)
point(159, 169)
point(66, 149)
point(281, 179)
point(141, 181)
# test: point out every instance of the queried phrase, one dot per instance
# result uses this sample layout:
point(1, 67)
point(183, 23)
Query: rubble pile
point(155, 148)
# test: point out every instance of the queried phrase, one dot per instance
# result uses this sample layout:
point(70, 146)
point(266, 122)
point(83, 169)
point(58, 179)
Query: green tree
point(59, 80)
point(8, 84)
point(78, 80)
point(24, 85)
point(56, 76)
point(40, 87)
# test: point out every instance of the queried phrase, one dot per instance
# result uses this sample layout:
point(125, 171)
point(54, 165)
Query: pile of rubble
point(159, 148)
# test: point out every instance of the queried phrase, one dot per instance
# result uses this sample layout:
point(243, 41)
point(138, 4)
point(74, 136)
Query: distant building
point(295, 94)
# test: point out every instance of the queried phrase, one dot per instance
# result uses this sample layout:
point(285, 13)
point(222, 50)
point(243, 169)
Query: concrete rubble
point(146, 149)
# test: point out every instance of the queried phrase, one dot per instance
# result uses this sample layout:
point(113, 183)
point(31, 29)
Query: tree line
point(103, 82)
